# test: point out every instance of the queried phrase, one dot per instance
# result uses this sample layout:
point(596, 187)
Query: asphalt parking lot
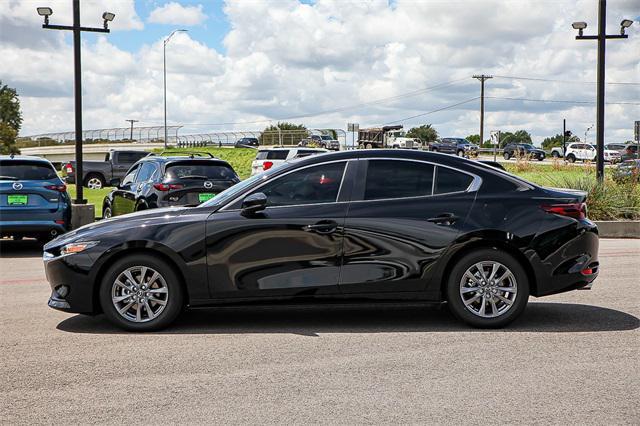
point(570, 358)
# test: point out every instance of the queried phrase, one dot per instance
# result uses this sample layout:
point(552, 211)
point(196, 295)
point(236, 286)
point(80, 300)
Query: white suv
point(587, 152)
point(272, 157)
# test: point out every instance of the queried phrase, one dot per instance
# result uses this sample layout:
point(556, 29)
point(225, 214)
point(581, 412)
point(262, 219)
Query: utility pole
point(131, 121)
point(564, 137)
point(602, 38)
point(482, 78)
point(77, 31)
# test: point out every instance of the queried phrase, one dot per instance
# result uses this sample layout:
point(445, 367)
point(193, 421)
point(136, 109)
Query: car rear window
point(280, 154)
point(306, 152)
point(26, 170)
point(199, 170)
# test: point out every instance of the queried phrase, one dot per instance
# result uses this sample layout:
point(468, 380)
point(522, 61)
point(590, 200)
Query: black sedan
point(365, 225)
point(523, 150)
point(158, 181)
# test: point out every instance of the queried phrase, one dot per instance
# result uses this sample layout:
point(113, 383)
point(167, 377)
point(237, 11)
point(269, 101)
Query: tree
point(10, 119)
point(520, 136)
point(556, 140)
point(287, 133)
point(476, 140)
point(426, 133)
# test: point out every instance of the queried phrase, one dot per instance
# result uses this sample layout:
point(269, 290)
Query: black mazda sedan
point(365, 225)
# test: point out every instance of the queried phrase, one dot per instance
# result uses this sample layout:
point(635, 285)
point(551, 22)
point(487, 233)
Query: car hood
point(93, 230)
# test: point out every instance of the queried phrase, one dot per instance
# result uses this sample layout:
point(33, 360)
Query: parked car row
point(584, 152)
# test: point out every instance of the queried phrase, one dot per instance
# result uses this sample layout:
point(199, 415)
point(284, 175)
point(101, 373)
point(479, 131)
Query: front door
point(124, 196)
point(399, 224)
point(292, 248)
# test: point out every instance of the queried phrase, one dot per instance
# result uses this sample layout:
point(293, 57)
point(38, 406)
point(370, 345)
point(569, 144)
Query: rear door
point(403, 216)
point(27, 190)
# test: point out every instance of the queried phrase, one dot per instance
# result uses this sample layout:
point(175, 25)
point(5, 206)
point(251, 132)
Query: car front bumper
point(72, 288)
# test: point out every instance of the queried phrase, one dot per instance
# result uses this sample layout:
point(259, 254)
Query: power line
point(339, 109)
point(511, 77)
point(435, 110)
point(560, 101)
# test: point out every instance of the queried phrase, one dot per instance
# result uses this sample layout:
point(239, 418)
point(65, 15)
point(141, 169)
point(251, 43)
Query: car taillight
point(59, 188)
point(68, 168)
point(267, 165)
point(574, 210)
point(167, 186)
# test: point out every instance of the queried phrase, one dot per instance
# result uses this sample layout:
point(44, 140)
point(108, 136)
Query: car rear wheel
point(368, 146)
point(106, 212)
point(506, 156)
point(460, 153)
point(571, 158)
point(487, 289)
point(141, 293)
point(94, 181)
point(554, 154)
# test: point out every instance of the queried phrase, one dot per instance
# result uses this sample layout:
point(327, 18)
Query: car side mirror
point(115, 182)
point(254, 203)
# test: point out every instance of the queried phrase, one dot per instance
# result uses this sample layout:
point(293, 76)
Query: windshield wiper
point(9, 177)
point(193, 177)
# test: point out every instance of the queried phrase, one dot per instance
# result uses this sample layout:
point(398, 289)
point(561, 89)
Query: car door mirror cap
point(115, 182)
point(254, 203)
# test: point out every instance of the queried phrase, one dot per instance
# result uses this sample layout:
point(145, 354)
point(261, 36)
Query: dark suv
point(523, 150)
point(33, 199)
point(158, 181)
point(247, 143)
point(457, 146)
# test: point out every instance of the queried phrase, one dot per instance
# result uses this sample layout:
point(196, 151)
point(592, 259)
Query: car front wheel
point(141, 293)
point(571, 158)
point(487, 288)
point(506, 156)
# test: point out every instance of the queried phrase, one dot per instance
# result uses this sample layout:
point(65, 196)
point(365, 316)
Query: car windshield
point(528, 146)
point(326, 137)
point(199, 170)
point(26, 170)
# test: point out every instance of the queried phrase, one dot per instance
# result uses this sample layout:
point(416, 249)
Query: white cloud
point(287, 59)
point(175, 13)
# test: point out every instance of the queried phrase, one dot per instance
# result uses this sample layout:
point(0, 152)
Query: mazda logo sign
point(208, 185)
point(17, 186)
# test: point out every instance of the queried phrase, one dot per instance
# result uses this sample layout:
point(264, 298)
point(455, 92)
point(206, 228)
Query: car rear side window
point(272, 155)
point(398, 179)
point(312, 185)
point(199, 170)
point(26, 170)
point(449, 180)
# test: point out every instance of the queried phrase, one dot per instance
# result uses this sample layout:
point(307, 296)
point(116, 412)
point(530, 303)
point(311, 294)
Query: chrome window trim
point(251, 191)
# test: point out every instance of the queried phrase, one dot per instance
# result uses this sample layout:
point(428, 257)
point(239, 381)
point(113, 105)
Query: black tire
point(107, 212)
point(506, 156)
point(540, 158)
point(95, 177)
point(175, 296)
point(368, 146)
point(571, 158)
point(434, 149)
point(460, 153)
point(555, 154)
point(454, 298)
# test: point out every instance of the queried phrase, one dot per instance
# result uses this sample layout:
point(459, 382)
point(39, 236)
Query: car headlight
point(73, 248)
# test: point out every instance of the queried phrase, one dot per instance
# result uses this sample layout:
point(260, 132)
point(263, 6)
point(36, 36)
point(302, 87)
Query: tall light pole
point(482, 78)
point(164, 68)
point(586, 132)
point(602, 38)
point(77, 76)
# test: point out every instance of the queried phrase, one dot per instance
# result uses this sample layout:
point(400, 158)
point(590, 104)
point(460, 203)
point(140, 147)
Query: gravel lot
point(572, 358)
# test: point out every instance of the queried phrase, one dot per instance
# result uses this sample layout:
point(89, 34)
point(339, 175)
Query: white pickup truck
point(584, 152)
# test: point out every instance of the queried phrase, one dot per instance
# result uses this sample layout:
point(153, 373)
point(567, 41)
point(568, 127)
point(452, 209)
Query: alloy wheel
point(139, 294)
point(94, 183)
point(488, 289)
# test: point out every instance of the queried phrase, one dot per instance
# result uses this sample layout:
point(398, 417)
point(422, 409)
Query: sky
point(244, 64)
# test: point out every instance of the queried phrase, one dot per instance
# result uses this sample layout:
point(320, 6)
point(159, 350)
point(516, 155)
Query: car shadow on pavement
point(314, 320)
point(20, 248)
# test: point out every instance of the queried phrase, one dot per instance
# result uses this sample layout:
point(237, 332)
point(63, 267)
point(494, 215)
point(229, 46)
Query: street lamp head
point(579, 25)
point(108, 17)
point(46, 12)
point(626, 23)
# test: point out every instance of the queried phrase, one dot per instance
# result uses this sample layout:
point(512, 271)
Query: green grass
point(93, 196)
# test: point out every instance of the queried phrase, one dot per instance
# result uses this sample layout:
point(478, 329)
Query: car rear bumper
point(570, 262)
point(32, 227)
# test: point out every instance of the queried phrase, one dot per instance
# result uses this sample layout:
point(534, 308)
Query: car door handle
point(323, 227)
point(444, 219)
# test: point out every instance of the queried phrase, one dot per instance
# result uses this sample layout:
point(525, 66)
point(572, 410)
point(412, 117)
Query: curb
point(618, 229)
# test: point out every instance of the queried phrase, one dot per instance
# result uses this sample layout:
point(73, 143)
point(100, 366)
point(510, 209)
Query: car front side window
point(311, 185)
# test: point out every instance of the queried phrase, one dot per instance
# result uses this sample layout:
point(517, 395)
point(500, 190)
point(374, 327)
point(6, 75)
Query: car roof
point(181, 158)
point(25, 158)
